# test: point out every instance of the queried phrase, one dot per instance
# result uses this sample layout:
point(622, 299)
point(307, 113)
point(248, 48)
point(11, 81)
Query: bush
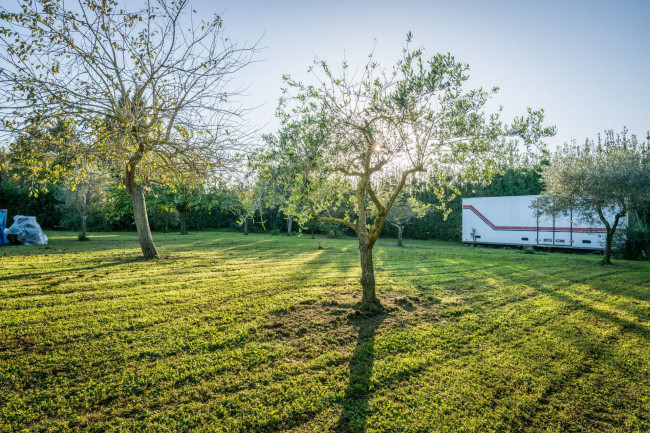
point(334, 233)
point(18, 201)
point(637, 244)
point(529, 250)
point(275, 232)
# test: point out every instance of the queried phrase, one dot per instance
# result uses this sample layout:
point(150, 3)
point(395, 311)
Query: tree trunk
point(400, 229)
point(289, 224)
point(140, 215)
point(367, 275)
point(611, 230)
point(608, 247)
point(246, 226)
point(183, 221)
point(82, 235)
point(166, 222)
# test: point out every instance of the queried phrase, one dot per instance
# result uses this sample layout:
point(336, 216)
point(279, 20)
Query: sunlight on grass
point(237, 333)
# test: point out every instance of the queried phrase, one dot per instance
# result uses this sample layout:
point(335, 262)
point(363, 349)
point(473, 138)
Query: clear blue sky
point(587, 63)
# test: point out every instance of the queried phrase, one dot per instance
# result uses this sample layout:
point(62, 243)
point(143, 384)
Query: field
point(241, 333)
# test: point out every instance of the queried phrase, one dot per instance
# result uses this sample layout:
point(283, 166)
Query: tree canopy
point(343, 133)
point(603, 179)
point(148, 89)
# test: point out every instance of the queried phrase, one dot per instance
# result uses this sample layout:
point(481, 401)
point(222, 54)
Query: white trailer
point(511, 220)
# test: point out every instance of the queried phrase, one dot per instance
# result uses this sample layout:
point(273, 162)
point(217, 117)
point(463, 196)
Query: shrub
point(637, 244)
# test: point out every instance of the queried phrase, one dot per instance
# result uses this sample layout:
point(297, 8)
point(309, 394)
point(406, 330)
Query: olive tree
point(348, 129)
point(251, 202)
point(85, 196)
point(404, 211)
point(603, 180)
point(277, 176)
point(148, 86)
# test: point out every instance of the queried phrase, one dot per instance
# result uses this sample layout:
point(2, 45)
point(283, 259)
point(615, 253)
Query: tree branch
point(316, 217)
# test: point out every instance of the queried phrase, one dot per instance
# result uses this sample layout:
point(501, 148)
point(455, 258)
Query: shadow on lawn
point(110, 264)
point(564, 297)
point(624, 324)
point(355, 402)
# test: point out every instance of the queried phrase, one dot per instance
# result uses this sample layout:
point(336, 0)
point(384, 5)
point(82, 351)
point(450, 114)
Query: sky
point(586, 63)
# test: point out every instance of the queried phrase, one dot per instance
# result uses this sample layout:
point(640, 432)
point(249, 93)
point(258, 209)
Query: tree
point(474, 236)
point(602, 180)
point(85, 196)
point(148, 88)
point(58, 148)
point(185, 199)
point(342, 133)
point(43, 151)
point(250, 202)
point(180, 195)
point(161, 204)
point(218, 206)
point(277, 178)
point(403, 211)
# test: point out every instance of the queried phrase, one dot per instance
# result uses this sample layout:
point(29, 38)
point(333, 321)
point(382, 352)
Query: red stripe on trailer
point(557, 229)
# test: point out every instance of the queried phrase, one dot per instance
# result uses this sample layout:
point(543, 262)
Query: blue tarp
point(3, 223)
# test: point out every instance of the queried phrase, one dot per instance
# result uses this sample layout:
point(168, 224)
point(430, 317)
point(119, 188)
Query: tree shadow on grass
point(107, 264)
point(357, 395)
point(627, 325)
point(535, 278)
point(590, 350)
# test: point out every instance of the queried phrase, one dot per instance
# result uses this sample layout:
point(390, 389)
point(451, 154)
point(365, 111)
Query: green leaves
point(356, 140)
point(123, 74)
point(602, 180)
point(611, 173)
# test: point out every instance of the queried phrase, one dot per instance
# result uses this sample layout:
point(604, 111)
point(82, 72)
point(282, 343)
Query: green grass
point(258, 333)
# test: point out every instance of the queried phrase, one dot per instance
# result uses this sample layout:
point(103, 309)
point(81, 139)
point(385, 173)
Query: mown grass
point(258, 333)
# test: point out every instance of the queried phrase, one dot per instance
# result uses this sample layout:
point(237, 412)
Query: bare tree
point(149, 88)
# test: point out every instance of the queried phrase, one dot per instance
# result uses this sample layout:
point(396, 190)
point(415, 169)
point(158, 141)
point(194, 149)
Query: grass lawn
point(241, 333)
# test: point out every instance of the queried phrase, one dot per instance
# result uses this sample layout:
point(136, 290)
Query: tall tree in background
point(344, 132)
point(603, 180)
point(46, 154)
point(187, 198)
point(55, 154)
point(148, 88)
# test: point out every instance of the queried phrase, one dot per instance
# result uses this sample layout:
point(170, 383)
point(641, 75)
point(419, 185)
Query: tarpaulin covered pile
point(27, 231)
